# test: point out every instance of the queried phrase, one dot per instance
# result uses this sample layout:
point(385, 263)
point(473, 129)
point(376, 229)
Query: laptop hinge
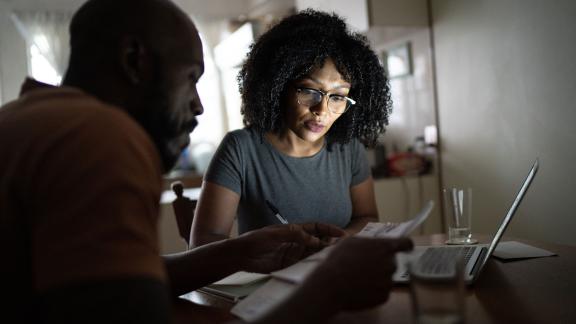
point(479, 262)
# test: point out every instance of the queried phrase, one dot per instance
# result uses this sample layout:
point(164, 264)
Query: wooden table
point(540, 290)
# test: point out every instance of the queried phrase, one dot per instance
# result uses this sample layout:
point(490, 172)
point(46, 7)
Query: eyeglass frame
point(349, 101)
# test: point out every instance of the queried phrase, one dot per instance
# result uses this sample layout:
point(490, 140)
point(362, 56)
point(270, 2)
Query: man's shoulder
point(68, 116)
point(67, 107)
point(76, 103)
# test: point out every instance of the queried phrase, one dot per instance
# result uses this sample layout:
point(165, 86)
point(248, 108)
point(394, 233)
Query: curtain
point(48, 31)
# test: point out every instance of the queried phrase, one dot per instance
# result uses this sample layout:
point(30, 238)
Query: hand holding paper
point(299, 271)
point(355, 264)
point(364, 263)
point(382, 230)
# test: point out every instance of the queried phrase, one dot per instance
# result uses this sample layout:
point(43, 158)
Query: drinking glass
point(437, 299)
point(458, 207)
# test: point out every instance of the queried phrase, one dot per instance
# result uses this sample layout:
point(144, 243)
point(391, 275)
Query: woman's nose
point(320, 108)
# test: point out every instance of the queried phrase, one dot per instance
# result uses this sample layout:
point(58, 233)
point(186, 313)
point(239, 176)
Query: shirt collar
point(31, 84)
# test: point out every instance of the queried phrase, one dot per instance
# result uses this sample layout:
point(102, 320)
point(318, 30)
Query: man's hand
point(278, 246)
point(358, 272)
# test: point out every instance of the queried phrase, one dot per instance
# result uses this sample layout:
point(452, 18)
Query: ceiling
point(216, 9)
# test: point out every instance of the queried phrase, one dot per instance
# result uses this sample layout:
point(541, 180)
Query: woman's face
point(311, 123)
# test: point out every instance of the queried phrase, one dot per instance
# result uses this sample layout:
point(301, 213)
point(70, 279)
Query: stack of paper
point(236, 286)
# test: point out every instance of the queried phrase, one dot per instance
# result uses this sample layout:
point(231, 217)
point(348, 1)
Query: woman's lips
point(314, 126)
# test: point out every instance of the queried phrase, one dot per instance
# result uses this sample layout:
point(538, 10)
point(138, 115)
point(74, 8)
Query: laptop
point(435, 260)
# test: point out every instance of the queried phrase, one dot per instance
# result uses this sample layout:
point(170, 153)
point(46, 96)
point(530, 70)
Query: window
point(46, 36)
point(39, 66)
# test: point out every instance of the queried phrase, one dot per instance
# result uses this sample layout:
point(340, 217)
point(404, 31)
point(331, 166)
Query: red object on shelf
point(406, 163)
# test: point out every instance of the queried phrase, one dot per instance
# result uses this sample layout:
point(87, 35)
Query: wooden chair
point(184, 208)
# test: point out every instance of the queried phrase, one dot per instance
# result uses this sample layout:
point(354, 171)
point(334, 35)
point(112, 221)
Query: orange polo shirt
point(80, 183)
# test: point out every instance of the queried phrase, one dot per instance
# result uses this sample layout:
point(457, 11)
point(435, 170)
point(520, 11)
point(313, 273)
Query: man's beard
point(154, 118)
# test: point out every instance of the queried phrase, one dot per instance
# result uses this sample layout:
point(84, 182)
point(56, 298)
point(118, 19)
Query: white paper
point(297, 272)
point(373, 229)
point(320, 255)
point(388, 230)
point(263, 300)
point(241, 278)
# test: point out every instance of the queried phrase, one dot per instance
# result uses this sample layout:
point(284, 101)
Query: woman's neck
point(288, 143)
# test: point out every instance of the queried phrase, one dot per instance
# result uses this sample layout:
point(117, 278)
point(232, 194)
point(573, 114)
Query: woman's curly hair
point(296, 46)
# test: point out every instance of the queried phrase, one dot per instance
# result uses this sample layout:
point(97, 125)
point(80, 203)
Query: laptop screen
point(511, 212)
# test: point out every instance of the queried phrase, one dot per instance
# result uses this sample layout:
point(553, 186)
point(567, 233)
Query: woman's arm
point(364, 208)
point(214, 214)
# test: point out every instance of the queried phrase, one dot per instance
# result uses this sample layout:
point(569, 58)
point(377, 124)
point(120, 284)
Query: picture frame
point(397, 61)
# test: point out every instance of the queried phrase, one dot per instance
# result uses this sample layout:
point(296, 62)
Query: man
point(80, 179)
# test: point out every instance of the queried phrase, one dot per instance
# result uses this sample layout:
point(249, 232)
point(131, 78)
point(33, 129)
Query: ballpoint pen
point(276, 213)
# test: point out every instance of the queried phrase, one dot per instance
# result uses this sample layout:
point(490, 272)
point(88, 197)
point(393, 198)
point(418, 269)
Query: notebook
point(437, 258)
point(236, 286)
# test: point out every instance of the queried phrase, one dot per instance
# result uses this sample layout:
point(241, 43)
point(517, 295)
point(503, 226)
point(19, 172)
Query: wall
point(13, 52)
point(400, 198)
point(170, 240)
point(398, 13)
point(13, 65)
point(507, 90)
point(354, 12)
point(412, 95)
point(413, 110)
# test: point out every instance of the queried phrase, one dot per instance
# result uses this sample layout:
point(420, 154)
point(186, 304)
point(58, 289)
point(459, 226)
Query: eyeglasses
point(337, 104)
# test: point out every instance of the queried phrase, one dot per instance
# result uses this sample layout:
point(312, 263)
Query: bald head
point(99, 26)
point(145, 57)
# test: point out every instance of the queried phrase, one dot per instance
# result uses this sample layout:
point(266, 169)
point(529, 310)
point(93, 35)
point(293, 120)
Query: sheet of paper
point(517, 250)
point(320, 255)
point(233, 293)
point(384, 230)
point(297, 272)
point(263, 300)
point(241, 278)
point(372, 229)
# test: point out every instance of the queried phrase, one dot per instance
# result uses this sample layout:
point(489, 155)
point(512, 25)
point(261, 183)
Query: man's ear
point(134, 60)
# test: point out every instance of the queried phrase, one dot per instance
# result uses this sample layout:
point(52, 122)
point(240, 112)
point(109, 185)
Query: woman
point(312, 92)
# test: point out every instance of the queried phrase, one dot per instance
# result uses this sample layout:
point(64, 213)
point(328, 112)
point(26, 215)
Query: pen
point(276, 213)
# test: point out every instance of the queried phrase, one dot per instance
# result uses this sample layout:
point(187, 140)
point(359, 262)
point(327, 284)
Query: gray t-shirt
point(308, 189)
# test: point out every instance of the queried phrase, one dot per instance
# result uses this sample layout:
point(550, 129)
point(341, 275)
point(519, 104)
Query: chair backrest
point(183, 210)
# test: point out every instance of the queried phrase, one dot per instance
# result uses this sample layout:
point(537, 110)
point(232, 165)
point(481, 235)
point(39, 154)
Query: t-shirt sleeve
point(360, 167)
point(96, 203)
point(225, 169)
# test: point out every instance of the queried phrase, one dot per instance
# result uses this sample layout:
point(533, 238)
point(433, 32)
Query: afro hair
point(296, 46)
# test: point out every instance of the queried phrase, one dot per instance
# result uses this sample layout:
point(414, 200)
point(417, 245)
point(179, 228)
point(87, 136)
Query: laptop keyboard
point(435, 260)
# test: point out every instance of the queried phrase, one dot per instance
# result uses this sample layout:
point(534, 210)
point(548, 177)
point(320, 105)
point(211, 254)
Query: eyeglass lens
point(310, 97)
